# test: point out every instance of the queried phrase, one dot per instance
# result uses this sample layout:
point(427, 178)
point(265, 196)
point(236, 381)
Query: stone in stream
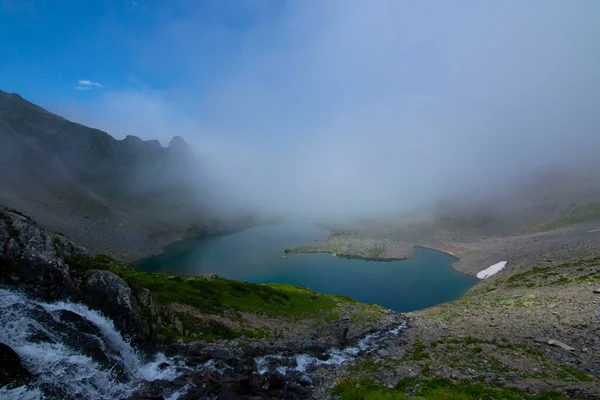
point(596, 291)
point(334, 333)
point(220, 354)
point(110, 294)
point(305, 380)
point(11, 371)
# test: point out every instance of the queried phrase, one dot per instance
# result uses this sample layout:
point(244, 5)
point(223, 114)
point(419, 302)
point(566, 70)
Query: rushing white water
point(74, 352)
point(334, 356)
point(35, 331)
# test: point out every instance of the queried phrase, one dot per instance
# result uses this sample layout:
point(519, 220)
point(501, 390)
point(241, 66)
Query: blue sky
point(330, 95)
point(51, 45)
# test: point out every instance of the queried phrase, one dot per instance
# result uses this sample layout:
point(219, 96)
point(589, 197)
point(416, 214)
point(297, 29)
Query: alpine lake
point(255, 255)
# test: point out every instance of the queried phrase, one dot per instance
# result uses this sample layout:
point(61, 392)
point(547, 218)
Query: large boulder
point(35, 259)
point(11, 371)
point(334, 333)
point(49, 267)
point(106, 292)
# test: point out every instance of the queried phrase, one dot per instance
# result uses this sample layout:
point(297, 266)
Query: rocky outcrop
point(11, 370)
point(333, 334)
point(49, 267)
point(106, 292)
point(35, 259)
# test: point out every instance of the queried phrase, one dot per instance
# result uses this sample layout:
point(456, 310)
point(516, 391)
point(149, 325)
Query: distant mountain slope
point(113, 196)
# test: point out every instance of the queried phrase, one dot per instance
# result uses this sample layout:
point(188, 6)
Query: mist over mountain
point(108, 192)
point(346, 109)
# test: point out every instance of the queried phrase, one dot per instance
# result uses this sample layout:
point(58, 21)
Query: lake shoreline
point(473, 253)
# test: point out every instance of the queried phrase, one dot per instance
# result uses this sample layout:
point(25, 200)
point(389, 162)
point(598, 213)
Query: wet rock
point(230, 377)
point(108, 293)
point(219, 354)
point(12, 371)
point(305, 380)
point(229, 395)
point(275, 381)
point(77, 322)
point(335, 333)
point(383, 352)
point(197, 359)
point(163, 365)
point(179, 382)
point(246, 366)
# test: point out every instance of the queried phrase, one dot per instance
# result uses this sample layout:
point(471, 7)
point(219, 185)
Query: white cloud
point(84, 84)
point(349, 104)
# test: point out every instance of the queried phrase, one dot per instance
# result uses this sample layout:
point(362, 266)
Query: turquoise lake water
point(254, 255)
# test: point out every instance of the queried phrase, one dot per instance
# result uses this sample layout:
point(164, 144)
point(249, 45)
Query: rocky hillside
point(118, 197)
point(193, 318)
point(525, 334)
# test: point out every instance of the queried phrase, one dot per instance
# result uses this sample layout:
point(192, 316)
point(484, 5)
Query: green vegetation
point(194, 328)
point(571, 374)
point(12, 232)
point(80, 264)
point(370, 312)
point(587, 212)
point(433, 389)
point(370, 366)
point(418, 352)
point(217, 295)
point(212, 297)
point(12, 210)
point(454, 340)
point(577, 271)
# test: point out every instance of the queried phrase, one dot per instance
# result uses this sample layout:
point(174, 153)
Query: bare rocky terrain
point(535, 330)
point(532, 328)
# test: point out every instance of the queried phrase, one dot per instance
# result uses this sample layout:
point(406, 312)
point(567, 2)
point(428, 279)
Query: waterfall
point(72, 351)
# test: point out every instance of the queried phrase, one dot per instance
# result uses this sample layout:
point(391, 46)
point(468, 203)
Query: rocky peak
point(179, 147)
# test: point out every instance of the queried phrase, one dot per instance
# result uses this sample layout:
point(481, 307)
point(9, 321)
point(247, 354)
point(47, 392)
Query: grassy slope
point(433, 389)
point(206, 307)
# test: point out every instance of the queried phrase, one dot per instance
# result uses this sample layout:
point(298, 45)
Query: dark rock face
point(333, 334)
point(106, 292)
point(220, 354)
point(38, 262)
point(11, 371)
point(35, 259)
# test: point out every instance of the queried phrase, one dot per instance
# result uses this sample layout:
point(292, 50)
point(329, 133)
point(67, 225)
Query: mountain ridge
point(90, 185)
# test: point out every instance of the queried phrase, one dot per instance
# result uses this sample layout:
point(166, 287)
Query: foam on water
point(60, 371)
point(55, 364)
point(333, 356)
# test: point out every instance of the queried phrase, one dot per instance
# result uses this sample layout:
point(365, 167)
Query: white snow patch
point(494, 269)
point(594, 230)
